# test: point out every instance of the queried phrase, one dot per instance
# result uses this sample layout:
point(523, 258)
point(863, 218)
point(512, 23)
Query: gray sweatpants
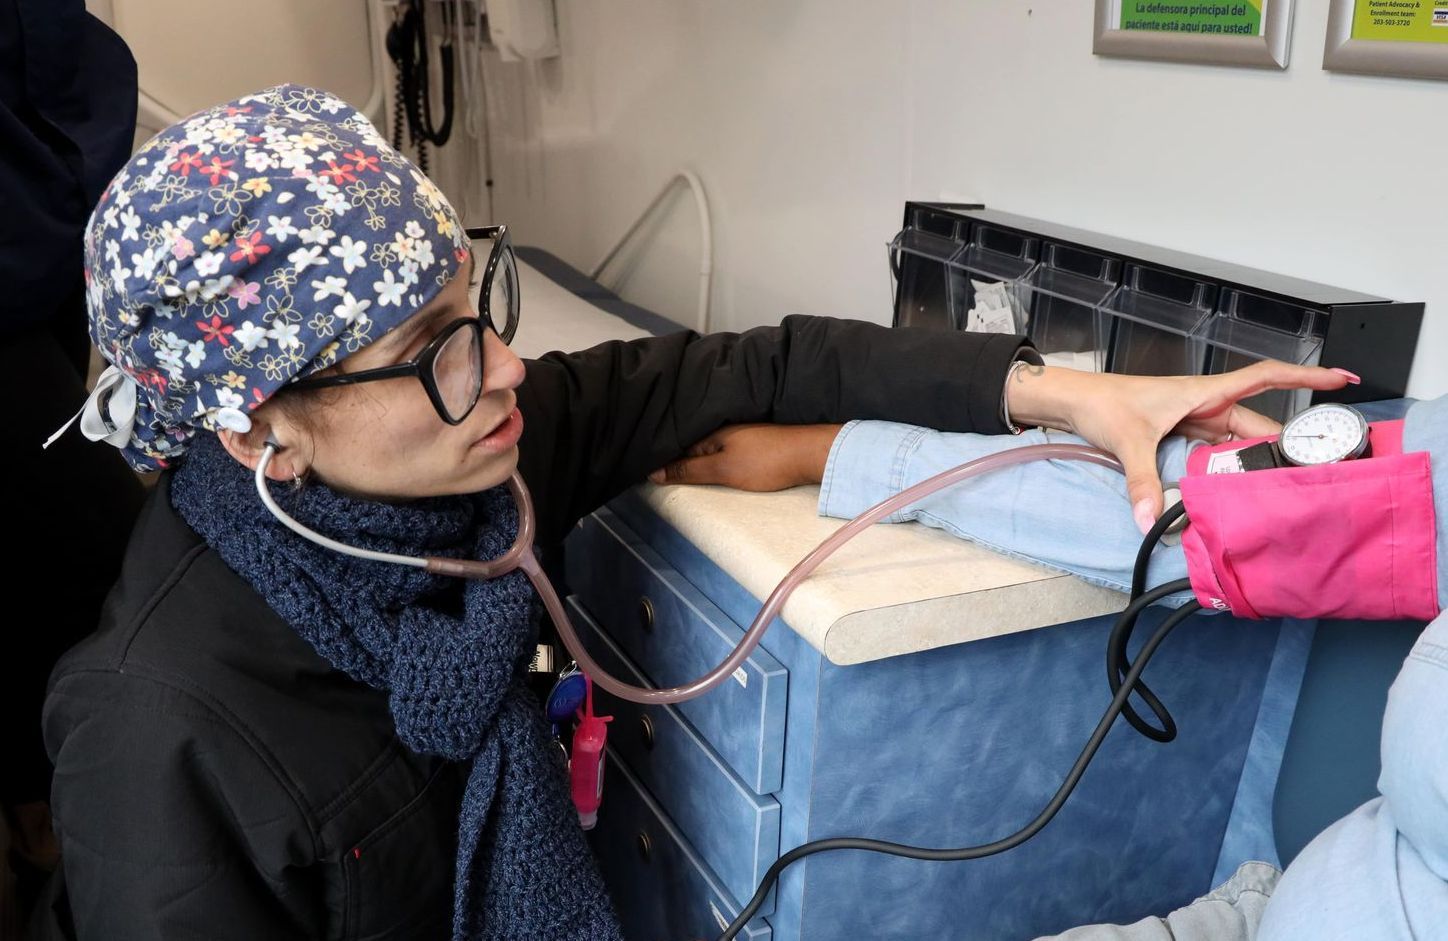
point(1229, 912)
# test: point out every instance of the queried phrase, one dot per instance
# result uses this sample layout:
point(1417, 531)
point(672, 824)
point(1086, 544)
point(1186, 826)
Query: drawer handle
point(645, 845)
point(646, 732)
point(646, 614)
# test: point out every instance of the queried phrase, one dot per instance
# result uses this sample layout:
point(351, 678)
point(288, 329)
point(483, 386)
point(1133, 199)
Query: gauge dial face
point(1324, 434)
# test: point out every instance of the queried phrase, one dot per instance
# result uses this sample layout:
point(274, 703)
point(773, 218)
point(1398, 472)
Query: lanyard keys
point(566, 697)
point(571, 701)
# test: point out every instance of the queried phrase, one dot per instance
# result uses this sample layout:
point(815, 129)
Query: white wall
point(191, 55)
point(812, 121)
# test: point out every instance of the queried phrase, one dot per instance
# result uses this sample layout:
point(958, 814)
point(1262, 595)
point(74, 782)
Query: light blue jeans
point(1069, 515)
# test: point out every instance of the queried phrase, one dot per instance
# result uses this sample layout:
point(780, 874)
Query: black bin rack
point(1097, 302)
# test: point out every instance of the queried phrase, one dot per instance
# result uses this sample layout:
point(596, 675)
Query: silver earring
point(296, 481)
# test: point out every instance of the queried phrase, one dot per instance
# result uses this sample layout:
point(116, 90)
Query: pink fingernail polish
point(1352, 377)
point(1144, 519)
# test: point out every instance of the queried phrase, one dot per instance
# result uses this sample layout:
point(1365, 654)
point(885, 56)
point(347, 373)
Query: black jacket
point(216, 778)
point(67, 115)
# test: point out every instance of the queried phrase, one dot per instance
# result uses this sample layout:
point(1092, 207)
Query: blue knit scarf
point(451, 657)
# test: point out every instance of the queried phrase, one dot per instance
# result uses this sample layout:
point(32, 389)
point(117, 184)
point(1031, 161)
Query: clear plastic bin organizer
point(925, 279)
point(936, 277)
point(1246, 328)
point(1099, 302)
point(1150, 321)
point(940, 222)
point(1062, 296)
point(995, 257)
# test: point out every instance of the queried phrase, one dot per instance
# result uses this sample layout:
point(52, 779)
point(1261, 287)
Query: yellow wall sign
point(1401, 20)
point(1201, 17)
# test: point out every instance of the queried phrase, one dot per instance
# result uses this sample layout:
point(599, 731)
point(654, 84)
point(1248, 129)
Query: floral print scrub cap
point(251, 244)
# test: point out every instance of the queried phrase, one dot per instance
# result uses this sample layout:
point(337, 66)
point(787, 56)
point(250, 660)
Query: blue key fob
point(566, 698)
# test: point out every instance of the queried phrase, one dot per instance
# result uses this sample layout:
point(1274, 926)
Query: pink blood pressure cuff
point(1356, 539)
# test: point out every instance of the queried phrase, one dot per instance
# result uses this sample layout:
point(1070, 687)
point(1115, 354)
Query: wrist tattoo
point(1031, 368)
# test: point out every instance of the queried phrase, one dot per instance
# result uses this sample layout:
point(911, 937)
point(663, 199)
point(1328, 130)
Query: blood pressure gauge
point(1324, 434)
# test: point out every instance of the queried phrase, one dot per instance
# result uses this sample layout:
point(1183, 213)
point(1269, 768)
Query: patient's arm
point(754, 457)
point(1069, 515)
point(1073, 516)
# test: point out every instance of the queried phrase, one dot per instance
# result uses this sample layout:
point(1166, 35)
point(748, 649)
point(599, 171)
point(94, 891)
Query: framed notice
point(1388, 37)
point(1217, 32)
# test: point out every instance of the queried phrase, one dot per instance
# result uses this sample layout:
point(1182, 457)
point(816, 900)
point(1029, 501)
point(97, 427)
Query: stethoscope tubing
point(522, 556)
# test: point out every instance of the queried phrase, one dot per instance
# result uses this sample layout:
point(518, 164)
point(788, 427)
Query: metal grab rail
point(706, 247)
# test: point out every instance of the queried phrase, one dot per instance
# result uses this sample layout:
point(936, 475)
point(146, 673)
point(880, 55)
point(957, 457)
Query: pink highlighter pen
point(585, 766)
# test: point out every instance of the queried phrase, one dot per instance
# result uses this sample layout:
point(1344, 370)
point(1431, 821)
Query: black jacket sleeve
point(158, 807)
point(599, 421)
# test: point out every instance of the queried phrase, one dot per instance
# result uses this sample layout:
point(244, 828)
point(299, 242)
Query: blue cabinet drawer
point(735, 830)
point(662, 890)
point(673, 634)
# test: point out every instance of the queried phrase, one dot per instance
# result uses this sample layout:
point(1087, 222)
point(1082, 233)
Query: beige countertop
point(897, 589)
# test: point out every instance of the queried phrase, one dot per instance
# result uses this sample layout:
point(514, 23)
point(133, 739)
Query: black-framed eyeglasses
point(450, 367)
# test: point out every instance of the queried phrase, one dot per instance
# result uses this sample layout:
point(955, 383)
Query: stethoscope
point(521, 556)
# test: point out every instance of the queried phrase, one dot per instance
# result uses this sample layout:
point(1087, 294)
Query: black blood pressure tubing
point(1123, 674)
